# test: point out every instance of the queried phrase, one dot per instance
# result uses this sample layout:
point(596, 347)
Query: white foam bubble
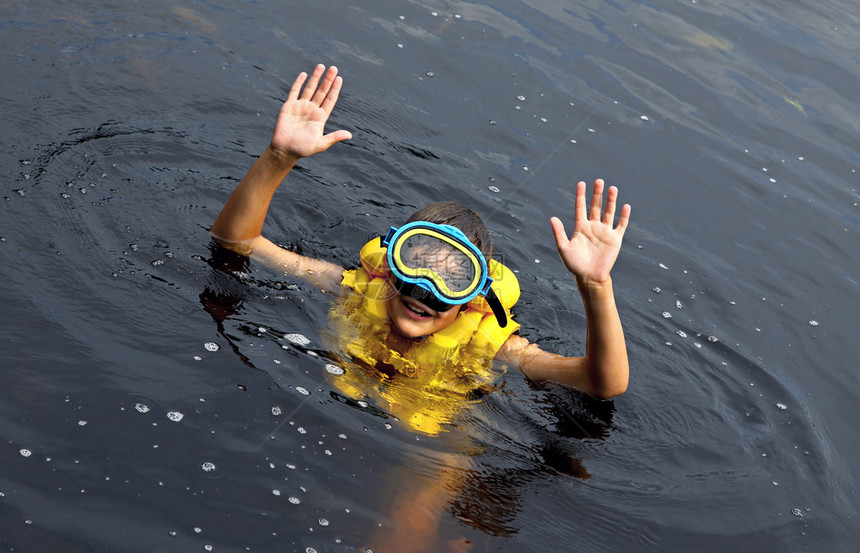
point(334, 369)
point(297, 339)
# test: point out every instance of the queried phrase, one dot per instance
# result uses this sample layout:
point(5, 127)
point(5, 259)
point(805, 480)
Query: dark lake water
point(152, 402)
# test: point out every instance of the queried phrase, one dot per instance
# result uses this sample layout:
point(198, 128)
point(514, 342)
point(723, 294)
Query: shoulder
point(538, 364)
point(323, 274)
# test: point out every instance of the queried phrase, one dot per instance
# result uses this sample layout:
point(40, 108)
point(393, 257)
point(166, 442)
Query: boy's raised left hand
point(593, 248)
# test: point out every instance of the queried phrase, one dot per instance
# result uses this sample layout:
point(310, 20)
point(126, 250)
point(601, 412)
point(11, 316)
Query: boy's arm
point(298, 133)
point(589, 254)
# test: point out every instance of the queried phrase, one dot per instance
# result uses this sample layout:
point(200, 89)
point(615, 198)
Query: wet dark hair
point(460, 216)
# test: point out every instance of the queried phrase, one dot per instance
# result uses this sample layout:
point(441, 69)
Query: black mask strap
point(496, 306)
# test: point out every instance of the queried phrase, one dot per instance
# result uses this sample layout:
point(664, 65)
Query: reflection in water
point(475, 471)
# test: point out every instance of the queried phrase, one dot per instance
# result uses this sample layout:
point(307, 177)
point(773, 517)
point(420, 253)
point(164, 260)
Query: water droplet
point(208, 466)
point(82, 423)
point(211, 346)
point(197, 529)
point(430, 74)
point(25, 452)
point(301, 430)
point(713, 339)
point(142, 408)
point(644, 118)
point(678, 304)
point(781, 406)
point(334, 369)
point(493, 189)
point(294, 500)
point(175, 416)
point(302, 391)
point(813, 323)
point(276, 411)
point(662, 266)
point(667, 315)
point(276, 492)
point(297, 339)
point(681, 333)
point(323, 522)
point(656, 290)
point(310, 550)
point(797, 512)
point(521, 98)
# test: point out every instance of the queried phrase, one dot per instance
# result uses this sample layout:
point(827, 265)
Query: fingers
point(624, 218)
point(332, 93)
point(297, 86)
point(323, 94)
point(334, 137)
point(579, 209)
point(596, 200)
point(597, 211)
point(330, 78)
point(558, 233)
point(611, 199)
point(311, 87)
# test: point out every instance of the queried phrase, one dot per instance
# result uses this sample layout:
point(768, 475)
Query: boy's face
point(412, 319)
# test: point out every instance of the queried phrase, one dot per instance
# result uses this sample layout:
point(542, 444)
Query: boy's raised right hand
point(299, 131)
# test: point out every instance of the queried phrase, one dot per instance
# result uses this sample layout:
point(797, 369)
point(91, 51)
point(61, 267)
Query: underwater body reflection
point(477, 466)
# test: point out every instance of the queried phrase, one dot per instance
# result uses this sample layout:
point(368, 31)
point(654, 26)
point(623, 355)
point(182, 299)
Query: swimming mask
point(439, 266)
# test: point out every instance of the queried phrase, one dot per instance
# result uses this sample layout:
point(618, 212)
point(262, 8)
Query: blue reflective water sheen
point(152, 401)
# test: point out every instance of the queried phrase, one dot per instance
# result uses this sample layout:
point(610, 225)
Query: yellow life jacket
point(442, 370)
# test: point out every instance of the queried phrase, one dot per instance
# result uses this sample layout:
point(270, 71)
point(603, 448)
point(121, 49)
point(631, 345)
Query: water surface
point(154, 402)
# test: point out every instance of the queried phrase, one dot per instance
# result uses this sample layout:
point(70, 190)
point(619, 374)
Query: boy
point(434, 276)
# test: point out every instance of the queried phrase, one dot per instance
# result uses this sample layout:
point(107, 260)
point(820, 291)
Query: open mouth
point(416, 310)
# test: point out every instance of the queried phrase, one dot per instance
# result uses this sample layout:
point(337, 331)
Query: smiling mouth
point(416, 309)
